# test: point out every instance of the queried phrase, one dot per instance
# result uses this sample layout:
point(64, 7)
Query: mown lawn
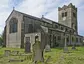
point(56, 56)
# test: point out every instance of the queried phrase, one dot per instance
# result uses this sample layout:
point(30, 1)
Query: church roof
point(36, 18)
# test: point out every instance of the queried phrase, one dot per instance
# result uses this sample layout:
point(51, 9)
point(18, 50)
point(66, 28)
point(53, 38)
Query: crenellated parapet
point(67, 6)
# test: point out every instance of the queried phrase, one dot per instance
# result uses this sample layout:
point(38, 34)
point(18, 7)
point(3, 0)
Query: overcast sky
point(48, 8)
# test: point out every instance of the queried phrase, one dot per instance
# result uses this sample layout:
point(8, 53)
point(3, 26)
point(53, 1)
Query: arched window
point(13, 25)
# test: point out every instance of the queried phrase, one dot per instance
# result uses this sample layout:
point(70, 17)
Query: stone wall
point(68, 20)
point(14, 39)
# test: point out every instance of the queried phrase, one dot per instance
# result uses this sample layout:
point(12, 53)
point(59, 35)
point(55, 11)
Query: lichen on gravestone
point(47, 48)
point(37, 52)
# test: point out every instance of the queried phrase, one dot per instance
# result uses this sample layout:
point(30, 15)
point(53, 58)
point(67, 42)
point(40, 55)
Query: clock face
point(64, 18)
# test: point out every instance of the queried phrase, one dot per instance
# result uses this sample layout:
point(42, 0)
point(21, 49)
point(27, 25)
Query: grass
point(56, 56)
point(12, 49)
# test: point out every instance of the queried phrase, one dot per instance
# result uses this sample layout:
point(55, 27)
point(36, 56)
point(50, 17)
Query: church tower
point(67, 15)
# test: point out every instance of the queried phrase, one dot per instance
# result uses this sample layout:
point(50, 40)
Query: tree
point(1, 41)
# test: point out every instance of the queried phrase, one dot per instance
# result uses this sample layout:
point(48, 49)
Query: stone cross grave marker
point(65, 45)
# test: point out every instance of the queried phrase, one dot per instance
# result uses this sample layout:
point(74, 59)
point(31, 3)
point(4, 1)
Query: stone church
point(21, 27)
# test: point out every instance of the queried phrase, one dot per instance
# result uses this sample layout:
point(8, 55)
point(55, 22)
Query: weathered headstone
point(15, 52)
point(37, 52)
point(15, 60)
point(7, 52)
point(66, 49)
point(47, 48)
point(73, 47)
point(27, 47)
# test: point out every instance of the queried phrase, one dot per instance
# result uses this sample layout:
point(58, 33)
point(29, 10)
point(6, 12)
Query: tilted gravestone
point(47, 48)
point(27, 47)
point(15, 60)
point(48, 59)
point(7, 52)
point(37, 52)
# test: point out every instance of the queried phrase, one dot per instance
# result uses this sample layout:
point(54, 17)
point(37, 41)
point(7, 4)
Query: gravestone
point(15, 60)
point(37, 52)
point(47, 48)
point(66, 49)
point(73, 47)
point(15, 52)
point(7, 52)
point(27, 47)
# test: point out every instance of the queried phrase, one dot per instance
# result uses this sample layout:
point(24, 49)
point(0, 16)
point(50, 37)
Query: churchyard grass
point(56, 56)
point(12, 49)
